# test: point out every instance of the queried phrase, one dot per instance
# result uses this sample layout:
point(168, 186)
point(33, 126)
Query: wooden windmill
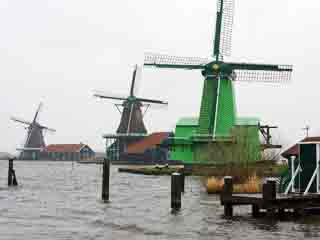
point(131, 127)
point(34, 142)
point(217, 112)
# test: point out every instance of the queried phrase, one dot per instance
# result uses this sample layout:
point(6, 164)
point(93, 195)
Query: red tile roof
point(147, 142)
point(64, 147)
point(294, 150)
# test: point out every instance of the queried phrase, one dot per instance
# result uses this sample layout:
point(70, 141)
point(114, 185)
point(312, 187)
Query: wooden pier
point(269, 201)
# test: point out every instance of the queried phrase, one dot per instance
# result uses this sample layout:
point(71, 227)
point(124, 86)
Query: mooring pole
point(176, 191)
point(226, 196)
point(255, 210)
point(10, 168)
point(105, 179)
point(269, 194)
point(269, 190)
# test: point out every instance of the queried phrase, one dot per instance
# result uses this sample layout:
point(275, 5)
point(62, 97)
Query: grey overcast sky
point(58, 51)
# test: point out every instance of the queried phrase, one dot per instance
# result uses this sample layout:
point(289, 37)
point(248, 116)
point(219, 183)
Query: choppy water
point(58, 201)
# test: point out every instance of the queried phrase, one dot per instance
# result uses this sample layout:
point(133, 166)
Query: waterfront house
point(148, 149)
point(293, 151)
point(69, 152)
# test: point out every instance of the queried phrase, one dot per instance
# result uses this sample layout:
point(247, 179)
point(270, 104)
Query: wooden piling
point(176, 191)
point(227, 195)
point(281, 212)
point(269, 192)
point(105, 180)
point(14, 178)
point(255, 211)
point(228, 210)
point(10, 168)
point(227, 188)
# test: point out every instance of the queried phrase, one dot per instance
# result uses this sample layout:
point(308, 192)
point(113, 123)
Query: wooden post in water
point(105, 179)
point(255, 210)
point(281, 212)
point(227, 195)
point(14, 178)
point(269, 194)
point(10, 168)
point(176, 191)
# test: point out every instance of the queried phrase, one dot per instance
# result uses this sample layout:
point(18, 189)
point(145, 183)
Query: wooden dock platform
point(269, 201)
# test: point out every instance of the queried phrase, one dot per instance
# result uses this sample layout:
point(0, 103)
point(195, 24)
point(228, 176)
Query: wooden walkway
point(269, 200)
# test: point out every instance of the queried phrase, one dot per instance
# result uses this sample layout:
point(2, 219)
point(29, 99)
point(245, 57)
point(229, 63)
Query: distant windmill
point(131, 116)
point(131, 127)
point(34, 141)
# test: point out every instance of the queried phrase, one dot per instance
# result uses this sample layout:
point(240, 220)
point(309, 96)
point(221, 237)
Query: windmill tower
point(218, 109)
point(131, 127)
point(34, 141)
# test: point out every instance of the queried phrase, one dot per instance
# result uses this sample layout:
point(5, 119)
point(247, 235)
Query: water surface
point(62, 201)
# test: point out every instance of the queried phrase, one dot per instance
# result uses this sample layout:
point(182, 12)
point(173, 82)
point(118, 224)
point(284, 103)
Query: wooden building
point(294, 151)
point(147, 150)
point(68, 152)
point(303, 167)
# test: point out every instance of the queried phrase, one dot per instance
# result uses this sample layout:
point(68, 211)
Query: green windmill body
point(217, 120)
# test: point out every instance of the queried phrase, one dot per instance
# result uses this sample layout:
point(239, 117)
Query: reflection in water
point(62, 201)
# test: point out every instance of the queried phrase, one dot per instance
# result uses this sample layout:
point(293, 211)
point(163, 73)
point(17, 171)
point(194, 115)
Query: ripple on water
point(60, 201)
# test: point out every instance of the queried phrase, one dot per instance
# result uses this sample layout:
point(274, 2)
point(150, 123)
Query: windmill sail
point(108, 95)
point(267, 73)
point(133, 81)
point(262, 76)
point(20, 120)
point(226, 28)
point(167, 61)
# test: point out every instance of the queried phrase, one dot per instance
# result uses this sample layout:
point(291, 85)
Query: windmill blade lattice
point(110, 95)
point(48, 129)
point(174, 61)
point(133, 81)
point(137, 82)
point(282, 75)
point(20, 120)
point(226, 28)
point(262, 76)
point(37, 112)
point(152, 101)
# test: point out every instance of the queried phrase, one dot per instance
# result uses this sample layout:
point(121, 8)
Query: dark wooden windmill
point(131, 127)
point(34, 142)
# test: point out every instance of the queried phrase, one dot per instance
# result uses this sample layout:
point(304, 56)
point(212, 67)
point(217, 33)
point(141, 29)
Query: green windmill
point(218, 109)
